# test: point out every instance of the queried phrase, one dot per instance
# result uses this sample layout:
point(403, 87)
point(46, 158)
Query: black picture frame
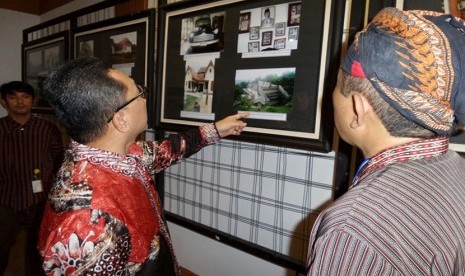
point(294, 11)
point(39, 58)
point(125, 43)
point(254, 46)
point(268, 17)
point(316, 61)
point(280, 29)
point(254, 33)
point(293, 33)
point(267, 37)
point(244, 22)
point(279, 43)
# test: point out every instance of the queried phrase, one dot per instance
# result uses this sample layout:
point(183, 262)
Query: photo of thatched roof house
point(198, 88)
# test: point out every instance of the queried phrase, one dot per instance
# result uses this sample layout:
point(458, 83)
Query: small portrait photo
point(293, 33)
point(254, 46)
point(244, 22)
point(266, 38)
point(280, 43)
point(293, 17)
point(254, 33)
point(268, 14)
point(280, 29)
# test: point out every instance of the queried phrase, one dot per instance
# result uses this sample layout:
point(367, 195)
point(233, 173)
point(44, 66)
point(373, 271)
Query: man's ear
point(2, 103)
point(362, 107)
point(120, 121)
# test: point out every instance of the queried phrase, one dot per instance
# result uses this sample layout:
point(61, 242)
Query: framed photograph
point(39, 58)
point(293, 18)
point(124, 43)
point(280, 43)
point(284, 95)
point(203, 80)
point(268, 16)
point(266, 38)
point(254, 33)
point(280, 29)
point(293, 33)
point(244, 22)
point(254, 46)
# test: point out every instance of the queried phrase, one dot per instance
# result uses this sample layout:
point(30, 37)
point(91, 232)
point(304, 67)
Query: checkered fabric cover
point(265, 195)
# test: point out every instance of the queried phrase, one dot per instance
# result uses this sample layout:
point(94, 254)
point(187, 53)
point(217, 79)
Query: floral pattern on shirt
point(104, 214)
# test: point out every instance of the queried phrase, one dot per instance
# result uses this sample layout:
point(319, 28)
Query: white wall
point(207, 257)
point(12, 24)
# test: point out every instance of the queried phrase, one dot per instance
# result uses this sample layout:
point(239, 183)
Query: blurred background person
point(31, 151)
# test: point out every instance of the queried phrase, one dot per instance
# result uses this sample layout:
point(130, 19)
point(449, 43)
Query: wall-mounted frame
point(40, 57)
point(203, 78)
point(293, 18)
point(244, 22)
point(212, 76)
point(125, 43)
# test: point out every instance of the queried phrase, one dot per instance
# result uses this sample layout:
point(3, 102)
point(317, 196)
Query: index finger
point(241, 115)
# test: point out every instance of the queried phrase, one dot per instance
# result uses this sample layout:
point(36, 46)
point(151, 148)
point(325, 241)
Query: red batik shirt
point(104, 216)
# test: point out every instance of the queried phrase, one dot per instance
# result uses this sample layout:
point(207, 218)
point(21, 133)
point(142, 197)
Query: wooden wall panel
point(131, 7)
point(48, 5)
point(27, 6)
point(39, 7)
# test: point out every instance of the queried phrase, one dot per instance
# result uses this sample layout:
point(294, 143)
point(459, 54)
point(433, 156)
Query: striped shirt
point(405, 215)
point(35, 145)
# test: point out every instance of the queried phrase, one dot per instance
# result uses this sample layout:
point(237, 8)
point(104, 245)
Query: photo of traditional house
point(263, 93)
point(264, 90)
point(198, 87)
point(123, 48)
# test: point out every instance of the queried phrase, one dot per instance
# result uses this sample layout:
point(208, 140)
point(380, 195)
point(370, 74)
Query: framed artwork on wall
point(124, 43)
point(39, 58)
point(244, 22)
point(208, 68)
point(280, 74)
point(293, 18)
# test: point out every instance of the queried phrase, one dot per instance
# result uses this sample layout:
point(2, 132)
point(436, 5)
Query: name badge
point(37, 186)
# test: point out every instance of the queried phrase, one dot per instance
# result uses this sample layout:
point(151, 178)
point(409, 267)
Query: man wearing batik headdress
point(399, 96)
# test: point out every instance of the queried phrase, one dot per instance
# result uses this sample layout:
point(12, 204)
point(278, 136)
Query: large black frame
point(310, 125)
point(40, 57)
point(138, 38)
point(320, 17)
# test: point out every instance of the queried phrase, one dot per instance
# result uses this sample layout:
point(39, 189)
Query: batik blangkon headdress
point(416, 61)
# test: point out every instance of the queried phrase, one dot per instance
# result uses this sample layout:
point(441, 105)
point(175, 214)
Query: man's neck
point(111, 142)
point(372, 149)
point(21, 119)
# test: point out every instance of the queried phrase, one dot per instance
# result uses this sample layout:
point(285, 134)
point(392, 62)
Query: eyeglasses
point(142, 94)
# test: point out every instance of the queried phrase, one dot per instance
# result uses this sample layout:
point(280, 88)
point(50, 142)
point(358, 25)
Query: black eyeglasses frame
point(142, 93)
